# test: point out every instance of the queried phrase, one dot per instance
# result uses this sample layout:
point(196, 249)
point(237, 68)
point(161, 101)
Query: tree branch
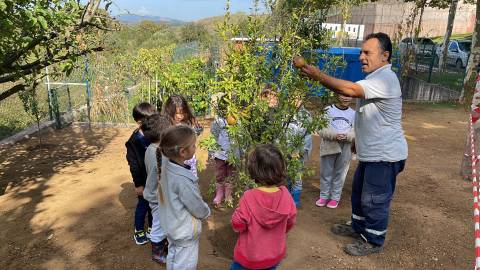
point(14, 57)
point(87, 16)
point(14, 89)
point(21, 87)
point(99, 26)
point(90, 10)
point(40, 64)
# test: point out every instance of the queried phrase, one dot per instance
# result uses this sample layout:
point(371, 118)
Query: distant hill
point(132, 18)
point(211, 22)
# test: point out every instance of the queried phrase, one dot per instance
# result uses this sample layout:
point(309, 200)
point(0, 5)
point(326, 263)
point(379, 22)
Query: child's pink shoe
point(219, 193)
point(321, 202)
point(228, 193)
point(332, 204)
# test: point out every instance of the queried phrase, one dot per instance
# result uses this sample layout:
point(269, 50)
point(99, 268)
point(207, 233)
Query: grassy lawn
point(453, 81)
point(436, 105)
point(467, 36)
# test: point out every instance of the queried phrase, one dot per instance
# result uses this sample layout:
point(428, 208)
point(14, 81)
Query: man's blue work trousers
point(372, 192)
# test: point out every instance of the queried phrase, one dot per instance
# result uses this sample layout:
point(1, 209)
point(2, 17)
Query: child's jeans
point(184, 256)
point(141, 211)
point(236, 266)
point(157, 234)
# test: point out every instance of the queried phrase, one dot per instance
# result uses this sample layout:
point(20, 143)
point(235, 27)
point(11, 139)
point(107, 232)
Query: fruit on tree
point(231, 120)
point(239, 46)
point(299, 62)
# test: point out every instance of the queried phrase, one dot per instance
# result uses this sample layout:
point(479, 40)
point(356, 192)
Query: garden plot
point(68, 203)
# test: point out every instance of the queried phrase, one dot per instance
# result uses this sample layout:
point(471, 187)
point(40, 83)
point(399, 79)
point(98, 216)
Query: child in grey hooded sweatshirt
point(153, 128)
point(182, 208)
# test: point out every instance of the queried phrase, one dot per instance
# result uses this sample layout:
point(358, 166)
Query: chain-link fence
point(13, 116)
point(57, 98)
point(423, 63)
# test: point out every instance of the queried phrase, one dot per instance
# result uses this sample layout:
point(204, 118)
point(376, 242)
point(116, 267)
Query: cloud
point(142, 11)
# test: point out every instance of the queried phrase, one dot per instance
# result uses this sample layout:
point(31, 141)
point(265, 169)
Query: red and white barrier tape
point(476, 208)
point(474, 116)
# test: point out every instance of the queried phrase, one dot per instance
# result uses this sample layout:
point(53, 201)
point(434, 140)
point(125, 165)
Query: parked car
point(421, 45)
point(457, 54)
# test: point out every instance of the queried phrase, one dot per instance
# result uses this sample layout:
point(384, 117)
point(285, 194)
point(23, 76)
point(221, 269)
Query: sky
point(184, 10)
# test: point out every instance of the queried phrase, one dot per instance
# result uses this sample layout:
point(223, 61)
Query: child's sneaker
point(140, 237)
point(149, 231)
point(332, 204)
point(160, 251)
point(321, 202)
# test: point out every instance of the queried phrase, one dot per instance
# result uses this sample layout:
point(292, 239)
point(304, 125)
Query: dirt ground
point(68, 203)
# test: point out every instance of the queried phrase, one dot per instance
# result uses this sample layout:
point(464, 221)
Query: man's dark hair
point(142, 110)
point(266, 165)
point(385, 42)
point(153, 127)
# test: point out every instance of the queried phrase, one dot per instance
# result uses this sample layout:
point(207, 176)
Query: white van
point(457, 54)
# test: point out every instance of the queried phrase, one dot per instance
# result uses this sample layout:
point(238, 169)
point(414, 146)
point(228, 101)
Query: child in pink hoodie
point(265, 214)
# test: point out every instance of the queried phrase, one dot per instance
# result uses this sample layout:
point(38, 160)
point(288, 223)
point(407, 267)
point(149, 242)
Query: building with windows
point(390, 16)
point(354, 31)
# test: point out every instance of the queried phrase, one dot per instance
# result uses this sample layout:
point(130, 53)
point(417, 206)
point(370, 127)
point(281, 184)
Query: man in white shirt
point(380, 143)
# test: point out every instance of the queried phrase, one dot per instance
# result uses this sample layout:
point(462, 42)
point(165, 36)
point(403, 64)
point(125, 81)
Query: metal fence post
point(69, 100)
point(432, 62)
point(49, 95)
point(156, 92)
point(56, 108)
point(89, 95)
point(149, 94)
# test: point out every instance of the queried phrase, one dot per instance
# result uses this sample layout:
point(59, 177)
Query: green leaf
point(43, 22)
point(3, 6)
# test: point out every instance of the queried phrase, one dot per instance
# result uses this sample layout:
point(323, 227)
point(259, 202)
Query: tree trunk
point(473, 62)
point(468, 90)
point(90, 10)
point(345, 6)
point(448, 33)
point(419, 26)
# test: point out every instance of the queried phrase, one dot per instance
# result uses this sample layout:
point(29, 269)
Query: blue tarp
point(350, 69)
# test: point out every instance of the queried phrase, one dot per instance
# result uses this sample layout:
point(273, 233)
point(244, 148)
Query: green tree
point(265, 59)
point(345, 7)
point(37, 34)
point(194, 32)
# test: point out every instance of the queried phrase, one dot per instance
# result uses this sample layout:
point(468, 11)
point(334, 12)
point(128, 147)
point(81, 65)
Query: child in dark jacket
point(264, 214)
point(136, 146)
